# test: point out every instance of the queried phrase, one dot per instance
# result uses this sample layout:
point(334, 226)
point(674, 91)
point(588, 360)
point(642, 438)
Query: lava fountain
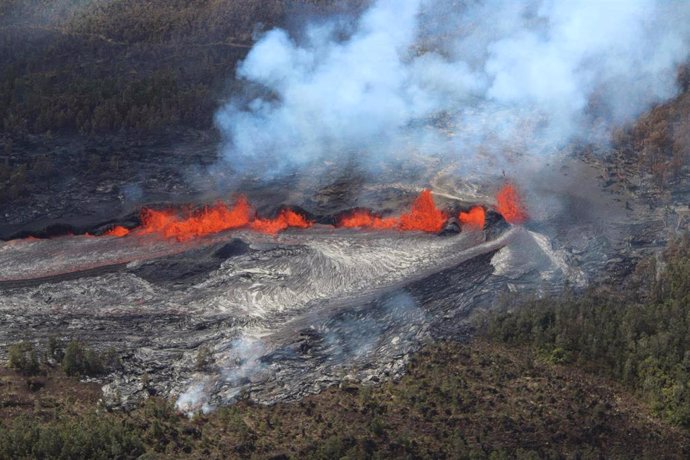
point(509, 204)
point(474, 219)
point(423, 216)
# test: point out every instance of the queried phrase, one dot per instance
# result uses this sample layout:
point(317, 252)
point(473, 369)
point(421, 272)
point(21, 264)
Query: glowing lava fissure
point(214, 219)
point(509, 204)
point(118, 231)
point(424, 216)
point(287, 218)
point(364, 218)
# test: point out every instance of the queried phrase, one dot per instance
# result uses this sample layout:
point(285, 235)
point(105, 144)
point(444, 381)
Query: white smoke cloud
point(194, 399)
point(531, 75)
point(239, 364)
point(244, 360)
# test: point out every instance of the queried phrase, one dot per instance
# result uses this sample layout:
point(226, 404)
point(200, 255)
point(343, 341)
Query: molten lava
point(424, 216)
point(509, 204)
point(118, 231)
point(215, 219)
point(365, 219)
point(473, 219)
point(286, 218)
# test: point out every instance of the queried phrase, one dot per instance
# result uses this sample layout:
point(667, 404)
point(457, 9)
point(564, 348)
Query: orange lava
point(365, 219)
point(214, 219)
point(473, 219)
point(286, 218)
point(424, 216)
point(509, 204)
point(118, 231)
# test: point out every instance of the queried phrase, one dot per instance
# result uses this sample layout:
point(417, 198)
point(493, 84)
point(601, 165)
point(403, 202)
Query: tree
point(23, 358)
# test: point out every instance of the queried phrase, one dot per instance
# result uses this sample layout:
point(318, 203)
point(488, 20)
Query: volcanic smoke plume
point(472, 81)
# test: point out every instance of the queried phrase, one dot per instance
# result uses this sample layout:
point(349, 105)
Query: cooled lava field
point(288, 301)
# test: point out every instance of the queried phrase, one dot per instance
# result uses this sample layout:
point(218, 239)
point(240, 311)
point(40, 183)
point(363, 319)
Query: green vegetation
point(80, 360)
point(93, 437)
point(23, 358)
point(102, 67)
point(202, 357)
point(94, 67)
point(639, 336)
point(75, 360)
point(478, 400)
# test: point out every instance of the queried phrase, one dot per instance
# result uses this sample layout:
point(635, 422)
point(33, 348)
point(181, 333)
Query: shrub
point(55, 349)
point(23, 358)
point(80, 360)
point(89, 437)
point(560, 356)
point(203, 358)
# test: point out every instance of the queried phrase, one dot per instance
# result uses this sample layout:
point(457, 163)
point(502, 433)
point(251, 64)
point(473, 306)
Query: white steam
point(194, 399)
point(238, 365)
point(442, 77)
point(243, 362)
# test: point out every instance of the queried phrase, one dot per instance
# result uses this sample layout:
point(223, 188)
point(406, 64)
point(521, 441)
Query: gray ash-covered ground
point(278, 317)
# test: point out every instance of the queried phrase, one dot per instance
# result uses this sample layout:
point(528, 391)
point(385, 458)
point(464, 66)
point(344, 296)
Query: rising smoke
point(442, 77)
point(389, 327)
point(241, 362)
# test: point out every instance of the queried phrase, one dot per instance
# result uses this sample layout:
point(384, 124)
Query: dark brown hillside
point(107, 66)
point(655, 150)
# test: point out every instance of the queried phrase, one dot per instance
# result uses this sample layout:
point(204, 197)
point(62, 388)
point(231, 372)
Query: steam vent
point(344, 229)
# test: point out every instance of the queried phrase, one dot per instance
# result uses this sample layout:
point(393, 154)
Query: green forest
point(93, 67)
point(637, 336)
point(102, 67)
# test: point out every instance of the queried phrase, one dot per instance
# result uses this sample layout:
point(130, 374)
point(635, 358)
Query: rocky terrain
point(278, 317)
